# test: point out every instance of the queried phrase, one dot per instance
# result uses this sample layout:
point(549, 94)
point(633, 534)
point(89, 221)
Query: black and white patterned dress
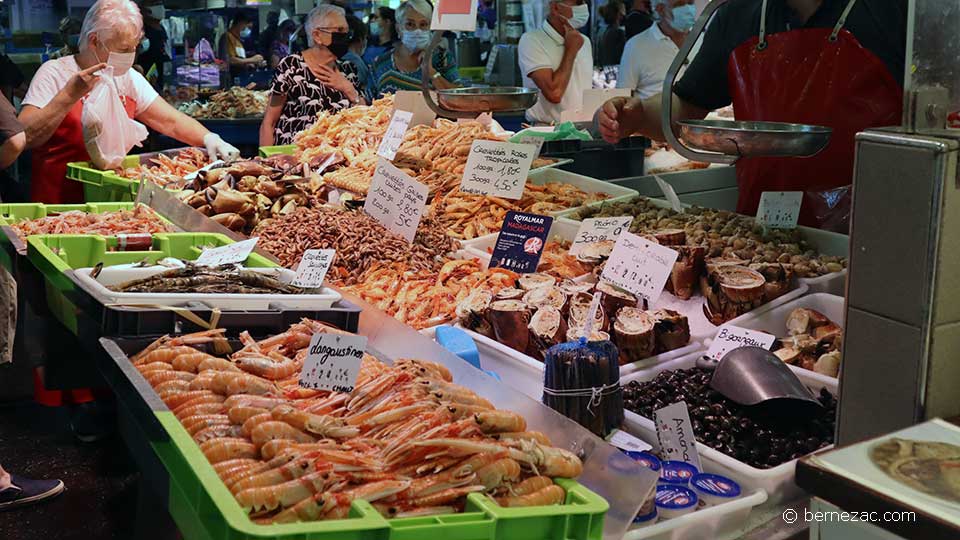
point(306, 96)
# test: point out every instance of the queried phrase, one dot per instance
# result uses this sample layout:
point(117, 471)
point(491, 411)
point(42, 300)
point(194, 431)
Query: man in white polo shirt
point(647, 56)
point(556, 59)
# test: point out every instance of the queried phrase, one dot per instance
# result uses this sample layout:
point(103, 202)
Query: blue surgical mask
point(145, 44)
point(245, 33)
point(416, 40)
point(684, 17)
point(375, 28)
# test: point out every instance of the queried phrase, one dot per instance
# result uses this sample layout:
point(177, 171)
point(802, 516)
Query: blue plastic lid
point(677, 472)
point(675, 497)
point(716, 485)
point(646, 459)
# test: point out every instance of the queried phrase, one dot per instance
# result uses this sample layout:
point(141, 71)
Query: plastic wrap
point(832, 208)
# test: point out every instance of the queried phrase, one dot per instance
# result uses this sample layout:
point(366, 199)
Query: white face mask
point(684, 17)
point(121, 62)
point(580, 17)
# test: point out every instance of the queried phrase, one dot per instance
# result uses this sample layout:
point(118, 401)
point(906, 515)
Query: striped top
point(386, 78)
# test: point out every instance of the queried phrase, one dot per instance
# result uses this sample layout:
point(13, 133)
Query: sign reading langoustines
point(333, 362)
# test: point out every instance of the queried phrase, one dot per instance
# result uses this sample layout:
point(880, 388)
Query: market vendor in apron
point(52, 108)
point(835, 63)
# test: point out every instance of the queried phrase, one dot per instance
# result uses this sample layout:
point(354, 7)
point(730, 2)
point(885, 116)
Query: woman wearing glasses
point(400, 69)
point(312, 81)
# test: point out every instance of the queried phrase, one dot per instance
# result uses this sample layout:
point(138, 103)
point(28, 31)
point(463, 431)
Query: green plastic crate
point(267, 151)
point(108, 186)
point(54, 254)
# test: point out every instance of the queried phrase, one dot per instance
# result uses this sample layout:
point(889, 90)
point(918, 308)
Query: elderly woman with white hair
point(312, 81)
point(109, 36)
point(400, 69)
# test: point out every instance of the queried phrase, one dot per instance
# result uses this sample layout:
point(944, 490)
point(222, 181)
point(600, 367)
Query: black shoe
point(25, 491)
point(90, 422)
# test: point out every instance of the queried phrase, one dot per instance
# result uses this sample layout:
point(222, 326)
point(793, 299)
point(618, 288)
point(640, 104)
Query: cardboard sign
point(639, 266)
point(229, 254)
point(520, 242)
point(497, 168)
point(333, 362)
point(779, 209)
point(409, 100)
point(533, 140)
point(625, 441)
point(393, 138)
point(593, 99)
point(594, 230)
point(460, 15)
point(670, 194)
point(313, 267)
point(675, 434)
point(731, 337)
point(396, 200)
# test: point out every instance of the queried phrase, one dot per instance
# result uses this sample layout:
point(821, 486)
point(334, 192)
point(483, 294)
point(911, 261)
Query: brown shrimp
point(277, 430)
point(547, 496)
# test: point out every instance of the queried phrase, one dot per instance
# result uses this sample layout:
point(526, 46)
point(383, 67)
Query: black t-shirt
point(636, 22)
point(879, 25)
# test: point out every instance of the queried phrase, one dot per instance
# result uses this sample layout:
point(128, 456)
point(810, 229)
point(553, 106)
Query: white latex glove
point(218, 148)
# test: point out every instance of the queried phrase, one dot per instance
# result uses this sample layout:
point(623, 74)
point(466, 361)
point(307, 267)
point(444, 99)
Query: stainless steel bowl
point(489, 99)
point(755, 139)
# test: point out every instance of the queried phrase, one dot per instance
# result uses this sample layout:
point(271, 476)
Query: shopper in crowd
point(401, 68)
point(269, 33)
point(153, 49)
point(316, 80)
point(812, 66)
point(358, 45)
point(280, 48)
point(639, 19)
point(70, 34)
point(232, 49)
point(613, 38)
point(383, 34)
point(648, 55)
point(556, 60)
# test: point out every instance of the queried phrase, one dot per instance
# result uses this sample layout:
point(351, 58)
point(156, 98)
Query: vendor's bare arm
point(162, 117)
point(270, 118)
point(553, 82)
point(11, 149)
point(622, 117)
point(39, 124)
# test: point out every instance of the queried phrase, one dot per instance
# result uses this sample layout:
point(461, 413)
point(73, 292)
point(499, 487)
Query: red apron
point(48, 181)
point(813, 76)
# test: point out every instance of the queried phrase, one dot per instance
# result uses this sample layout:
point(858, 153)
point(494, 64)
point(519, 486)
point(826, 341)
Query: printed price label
point(639, 266)
point(333, 362)
point(625, 441)
point(597, 230)
point(675, 434)
point(731, 337)
point(228, 254)
point(313, 268)
point(520, 242)
point(779, 209)
point(396, 200)
point(394, 135)
point(497, 168)
point(533, 140)
point(670, 194)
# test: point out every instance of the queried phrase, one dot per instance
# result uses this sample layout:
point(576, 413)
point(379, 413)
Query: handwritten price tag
point(313, 268)
point(639, 266)
point(597, 230)
point(779, 209)
point(396, 200)
point(731, 337)
point(228, 254)
point(394, 135)
point(333, 362)
point(497, 168)
point(533, 140)
point(670, 194)
point(675, 434)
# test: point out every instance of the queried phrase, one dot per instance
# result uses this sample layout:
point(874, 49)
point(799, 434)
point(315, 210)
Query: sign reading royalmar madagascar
point(520, 242)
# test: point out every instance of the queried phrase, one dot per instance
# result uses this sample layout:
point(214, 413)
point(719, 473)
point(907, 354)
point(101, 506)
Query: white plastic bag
point(108, 133)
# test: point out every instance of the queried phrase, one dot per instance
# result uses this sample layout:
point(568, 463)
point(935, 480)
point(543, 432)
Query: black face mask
point(339, 44)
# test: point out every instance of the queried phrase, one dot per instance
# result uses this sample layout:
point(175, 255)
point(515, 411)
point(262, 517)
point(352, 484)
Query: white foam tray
point(778, 481)
point(113, 275)
point(719, 522)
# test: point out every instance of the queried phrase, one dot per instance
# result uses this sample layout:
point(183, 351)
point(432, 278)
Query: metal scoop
point(754, 376)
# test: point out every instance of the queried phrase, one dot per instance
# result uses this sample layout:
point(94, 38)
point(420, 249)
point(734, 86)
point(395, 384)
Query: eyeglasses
point(333, 30)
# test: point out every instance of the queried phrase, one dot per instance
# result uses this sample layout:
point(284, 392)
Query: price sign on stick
point(594, 230)
point(497, 168)
point(639, 266)
point(670, 194)
point(520, 242)
point(228, 254)
point(313, 268)
point(333, 362)
point(458, 15)
point(731, 337)
point(394, 135)
point(675, 434)
point(533, 140)
point(779, 209)
point(396, 200)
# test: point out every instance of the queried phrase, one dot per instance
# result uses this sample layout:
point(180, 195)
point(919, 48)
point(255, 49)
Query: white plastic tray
point(774, 321)
point(112, 275)
point(724, 521)
point(778, 481)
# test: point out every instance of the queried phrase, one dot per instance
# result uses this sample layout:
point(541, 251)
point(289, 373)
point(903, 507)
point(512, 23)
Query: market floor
point(101, 480)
